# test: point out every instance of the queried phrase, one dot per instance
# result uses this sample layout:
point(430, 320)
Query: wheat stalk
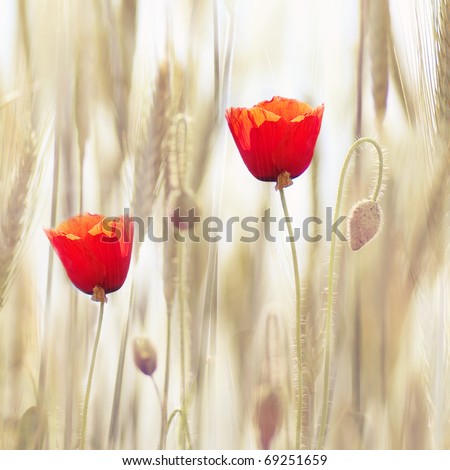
point(443, 73)
point(148, 161)
point(442, 209)
point(402, 86)
point(18, 148)
point(150, 152)
point(82, 104)
point(378, 48)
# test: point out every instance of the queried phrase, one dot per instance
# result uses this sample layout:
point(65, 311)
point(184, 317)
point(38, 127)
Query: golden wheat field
point(226, 333)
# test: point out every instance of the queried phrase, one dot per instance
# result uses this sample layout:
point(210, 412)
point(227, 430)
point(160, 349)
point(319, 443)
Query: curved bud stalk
point(366, 222)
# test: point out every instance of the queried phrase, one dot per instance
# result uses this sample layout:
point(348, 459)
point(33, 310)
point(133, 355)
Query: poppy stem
point(326, 384)
point(91, 374)
point(164, 423)
point(158, 395)
point(298, 325)
point(181, 300)
point(182, 327)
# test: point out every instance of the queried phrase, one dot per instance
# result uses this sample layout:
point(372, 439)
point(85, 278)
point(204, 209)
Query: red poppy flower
point(276, 136)
point(94, 250)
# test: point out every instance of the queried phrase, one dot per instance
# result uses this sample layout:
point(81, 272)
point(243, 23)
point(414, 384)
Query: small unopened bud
point(268, 415)
point(364, 223)
point(145, 356)
point(184, 210)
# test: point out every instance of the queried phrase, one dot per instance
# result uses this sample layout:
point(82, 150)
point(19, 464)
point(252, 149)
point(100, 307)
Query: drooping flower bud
point(145, 356)
point(184, 210)
point(364, 223)
point(268, 415)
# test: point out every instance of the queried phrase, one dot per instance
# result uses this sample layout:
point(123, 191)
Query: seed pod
point(364, 223)
point(145, 356)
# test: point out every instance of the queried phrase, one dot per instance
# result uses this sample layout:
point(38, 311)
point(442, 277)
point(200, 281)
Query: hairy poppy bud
point(364, 223)
point(145, 356)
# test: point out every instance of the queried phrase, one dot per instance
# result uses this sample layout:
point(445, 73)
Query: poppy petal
point(296, 149)
point(285, 108)
point(275, 136)
point(79, 261)
point(265, 141)
point(94, 250)
point(79, 225)
point(245, 124)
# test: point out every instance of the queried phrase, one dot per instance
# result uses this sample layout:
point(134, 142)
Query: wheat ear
point(378, 47)
point(19, 145)
point(149, 156)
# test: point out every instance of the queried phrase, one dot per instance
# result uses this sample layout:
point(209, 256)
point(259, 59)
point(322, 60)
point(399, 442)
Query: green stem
point(164, 423)
point(183, 420)
point(186, 428)
point(326, 384)
point(184, 405)
point(182, 326)
point(91, 374)
point(114, 421)
point(158, 395)
point(176, 411)
point(298, 326)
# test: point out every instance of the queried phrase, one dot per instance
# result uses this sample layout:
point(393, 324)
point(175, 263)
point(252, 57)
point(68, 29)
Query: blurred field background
point(112, 104)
